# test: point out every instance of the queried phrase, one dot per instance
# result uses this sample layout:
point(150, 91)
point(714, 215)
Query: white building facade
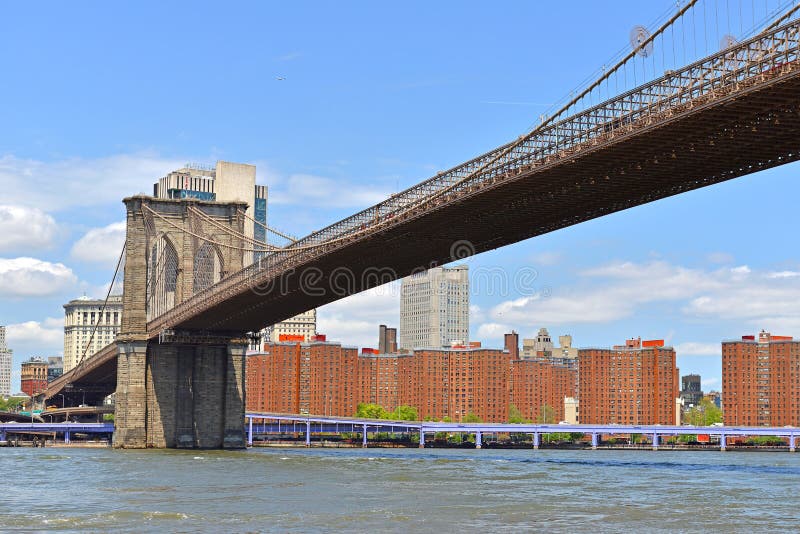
point(434, 308)
point(5, 365)
point(80, 318)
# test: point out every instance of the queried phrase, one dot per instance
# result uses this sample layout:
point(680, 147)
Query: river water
point(397, 490)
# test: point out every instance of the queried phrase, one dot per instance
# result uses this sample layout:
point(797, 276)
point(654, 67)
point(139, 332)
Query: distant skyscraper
point(434, 308)
point(691, 391)
point(5, 365)
point(55, 367)
point(80, 317)
point(387, 340)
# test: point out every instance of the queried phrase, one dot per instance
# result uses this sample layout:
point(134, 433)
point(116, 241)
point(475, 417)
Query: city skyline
point(647, 270)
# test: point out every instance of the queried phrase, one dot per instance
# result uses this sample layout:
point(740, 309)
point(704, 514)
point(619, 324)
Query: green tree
point(515, 416)
point(472, 418)
point(547, 415)
point(576, 436)
point(368, 410)
point(11, 403)
point(704, 414)
point(404, 413)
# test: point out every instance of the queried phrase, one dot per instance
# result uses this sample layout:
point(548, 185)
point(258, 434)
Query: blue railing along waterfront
point(66, 429)
point(309, 424)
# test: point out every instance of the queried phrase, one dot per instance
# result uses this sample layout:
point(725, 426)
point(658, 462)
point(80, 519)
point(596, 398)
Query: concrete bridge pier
point(180, 395)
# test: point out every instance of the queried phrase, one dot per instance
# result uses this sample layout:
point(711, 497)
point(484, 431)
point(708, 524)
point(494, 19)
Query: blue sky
point(101, 99)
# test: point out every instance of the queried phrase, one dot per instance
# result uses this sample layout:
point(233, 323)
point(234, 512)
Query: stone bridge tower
point(178, 388)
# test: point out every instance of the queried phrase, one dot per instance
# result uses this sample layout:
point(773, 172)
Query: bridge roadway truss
point(722, 117)
point(309, 424)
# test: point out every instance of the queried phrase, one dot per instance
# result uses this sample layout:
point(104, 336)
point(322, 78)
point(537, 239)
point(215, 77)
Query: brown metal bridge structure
point(190, 298)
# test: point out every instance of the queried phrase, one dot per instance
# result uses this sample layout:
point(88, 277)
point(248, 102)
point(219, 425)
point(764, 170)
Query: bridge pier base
point(180, 395)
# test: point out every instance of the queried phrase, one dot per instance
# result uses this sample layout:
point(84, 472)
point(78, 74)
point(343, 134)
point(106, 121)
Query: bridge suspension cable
point(262, 248)
point(270, 228)
point(232, 232)
point(120, 261)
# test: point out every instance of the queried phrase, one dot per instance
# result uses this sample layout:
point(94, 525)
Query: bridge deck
point(715, 124)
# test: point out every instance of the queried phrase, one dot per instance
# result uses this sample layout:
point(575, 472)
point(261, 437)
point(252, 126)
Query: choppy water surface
point(300, 490)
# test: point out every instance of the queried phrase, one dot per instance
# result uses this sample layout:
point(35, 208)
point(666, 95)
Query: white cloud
point(101, 245)
point(354, 320)
point(720, 257)
point(78, 182)
point(476, 314)
point(45, 338)
point(29, 277)
point(318, 191)
point(22, 226)
point(492, 331)
point(616, 291)
point(547, 258)
point(691, 348)
point(740, 271)
point(784, 274)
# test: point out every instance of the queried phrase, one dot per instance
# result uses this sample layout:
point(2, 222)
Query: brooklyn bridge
point(196, 285)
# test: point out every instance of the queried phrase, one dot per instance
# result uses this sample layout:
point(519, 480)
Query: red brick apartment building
point(535, 384)
point(761, 381)
point(328, 379)
point(632, 384)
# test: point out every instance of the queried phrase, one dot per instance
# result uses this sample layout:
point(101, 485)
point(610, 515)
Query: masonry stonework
point(186, 389)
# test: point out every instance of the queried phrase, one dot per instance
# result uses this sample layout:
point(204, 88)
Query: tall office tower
point(224, 182)
point(434, 308)
point(5, 365)
point(387, 340)
point(632, 384)
point(691, 392)
point(80, 318)
point(760, 381)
